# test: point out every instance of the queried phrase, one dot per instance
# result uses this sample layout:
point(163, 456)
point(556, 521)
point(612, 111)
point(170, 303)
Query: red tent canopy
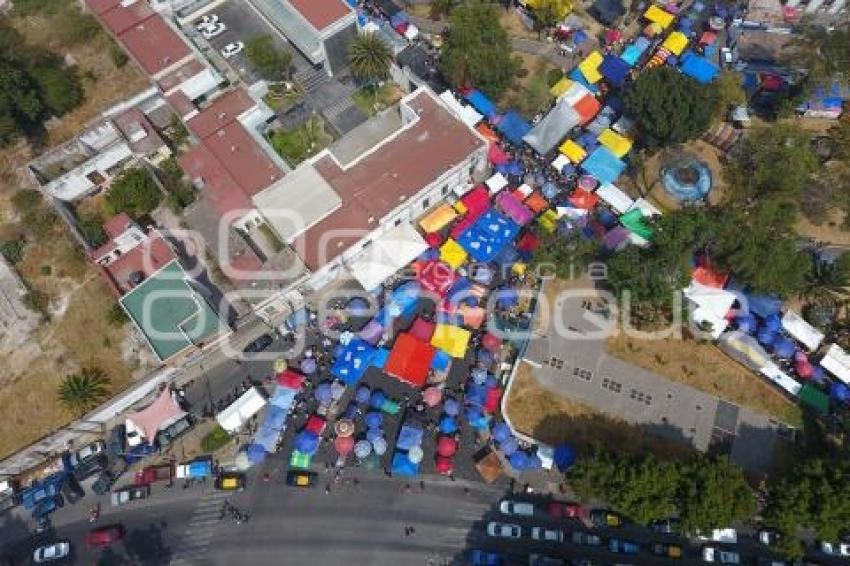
point(536, 202)
point(291, 379)
point(587, 108)
point(410, 360)
point(422, 329)
point(161, 413)
point(583, 199)
point(477, 200)
point(491, 404)
point(446, 446)
point(528, 242)
point(491, 342)
point(436, 277)
point(497, 155)
point(613, 35)
point(344, 444)
point(444, 465)
point(433, 239)
point(316, 424)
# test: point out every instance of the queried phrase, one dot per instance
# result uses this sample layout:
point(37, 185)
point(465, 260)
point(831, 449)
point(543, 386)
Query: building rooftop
point(120, 18)
point(139, 132)
point(380, 180)
point(177, 76)
point(213, 180)
point(171, 313)
point(222, 111)
point(181, 103)
point(246, 162)
point(139, 263)
point(321, 13)
point(154, 45)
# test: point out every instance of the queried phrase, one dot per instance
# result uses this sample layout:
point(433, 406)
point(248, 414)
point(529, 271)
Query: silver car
point(503, 530)
point(51, 552)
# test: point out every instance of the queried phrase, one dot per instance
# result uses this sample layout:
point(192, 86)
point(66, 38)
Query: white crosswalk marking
point(200, 530)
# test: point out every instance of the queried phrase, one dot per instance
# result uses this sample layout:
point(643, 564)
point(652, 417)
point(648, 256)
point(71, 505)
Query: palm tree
point(370, 58)
point(826, 283)
point(83, 391)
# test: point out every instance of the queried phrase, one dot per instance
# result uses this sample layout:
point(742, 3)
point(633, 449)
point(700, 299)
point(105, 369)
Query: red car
point(153, 474)
point(560, 510)
point(105, 536)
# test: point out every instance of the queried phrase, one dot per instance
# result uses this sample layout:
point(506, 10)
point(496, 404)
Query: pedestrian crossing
point(192, 548)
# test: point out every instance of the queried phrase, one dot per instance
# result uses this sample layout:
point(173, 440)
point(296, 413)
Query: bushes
point(116, 315)
point(134, 192)
point(36, 215)
point(553, 76)
point(12, 251)
point(91, 228)
point(117, 55)
point(180, 193)
point(216, 439)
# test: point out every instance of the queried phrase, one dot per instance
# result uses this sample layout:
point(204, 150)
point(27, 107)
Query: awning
point(246, 406)
point(675, 43)
point(658, 16)
point(837, 362)
point(387, 254)
point(573, 151)
point(780, 378)
point(159, 414)
point(617, 199)
point(618, 144)
point(496, 183)
point(716, 302)
point(438, 218)
point(467, 114)
point(794, 324)
point(590, 67)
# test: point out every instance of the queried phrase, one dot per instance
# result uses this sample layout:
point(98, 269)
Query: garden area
point(300, 143)
point(371, 99)
point(280, 98)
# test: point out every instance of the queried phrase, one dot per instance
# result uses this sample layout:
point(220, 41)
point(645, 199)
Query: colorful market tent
point(589, 67)
point(162, 412)
point(513, 208)
point(496, 155)
point(488, 235)
point(548, 220)
point(353, 361)
point(475, 202)
point(482, 104)
point(410, 360)
point(675, 43)
point(699, 68)
point(603, 165)
point(452, 254)
point(837, 362)
point(616, 199)
point(552, 128)
point(536, 202)
point(409, 436)
point(761, 305)
point(634, 221)
point(387, 254)
point(573, 151)
point(587, 107)
point(633, 52)
point(583, 199)
point(467, 114)
point(237, 413)
point(403, 466)
point(575, 92)
point(579, 79)
point(804, 332)
point(513, 126)
point(780, 378)
point(436, 277)
point(451, 339)
point(487, 132)
point(656, 15)
point(496, 183)
point(618, 144)
point(814, 398)
point(614, 69)
point(438, 218)
point(561, 87)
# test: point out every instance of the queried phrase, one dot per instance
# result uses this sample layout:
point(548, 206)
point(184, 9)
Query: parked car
point(669, 526)
point(519, 508)
point(154, 474)
point(560, 510)
point(486, 558)
point(541, 560)
point(605, 518)
point(727, 535)
point(93, 465)
point(48, 505)
point(71, 490)
point(130, 493)
point(667, 549)
point(503, 530)
point(585, 538)
point(232, 49)
point(720, 555)
point(548, 535)
point(300, 478)
point(620, 546)
point(108, 477)
point(201, 467)
point(206, 21)
point(102, 537)
point(52, 552)
point(768, 537)
point(230, 481)
point(87, 452)
point(213, 30)
point(116, 444)
point(258, 344)
point(174, 431)
point(762, 561)
point(835, 548)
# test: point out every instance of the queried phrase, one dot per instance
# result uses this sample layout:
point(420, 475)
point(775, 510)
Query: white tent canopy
point(712, 305)
point(387, 254)
point(574, 93)
point(794, 324)
point(552, 128)
point(560, 162)
point(646, 207)
point(496, 183)
point(467, 114)
point(237, 413)
point(837, 362)
point(617, 199)
point(777, 376)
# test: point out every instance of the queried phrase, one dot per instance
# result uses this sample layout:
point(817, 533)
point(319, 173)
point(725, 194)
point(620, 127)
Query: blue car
point(47, 506)
point(483, 558)
point(619, 546)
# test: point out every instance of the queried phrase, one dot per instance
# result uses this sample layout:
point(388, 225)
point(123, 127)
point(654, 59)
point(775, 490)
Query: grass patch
point(371, 100)
point(304, 141)
point(281, 100)
point(215, 440)
point(529, 93)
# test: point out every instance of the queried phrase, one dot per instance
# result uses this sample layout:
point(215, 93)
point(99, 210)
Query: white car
point(206, 21)
point(715, 554)
point(835, 548)
point(232, 49)
point(51, 552)
point(519, 508)
point(549, 535)
point(503, 530)
point(214, 30)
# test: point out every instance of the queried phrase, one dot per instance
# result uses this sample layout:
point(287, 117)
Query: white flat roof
point(794, 324)
point(387, 254)
point(837, 362)
point(619, 201)
point(246, 406)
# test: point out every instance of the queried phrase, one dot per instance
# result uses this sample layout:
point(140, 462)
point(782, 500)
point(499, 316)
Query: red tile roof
point(148, 257)
point(245, 161)
point(375, 185)
point(120, 18)
point(321, 13)
point(154, 45)
point(181, 103)
point(117, 225)
point(131, 121)
point(180, 75)
point(218, 186)
point(98, 7)
point(221, 112)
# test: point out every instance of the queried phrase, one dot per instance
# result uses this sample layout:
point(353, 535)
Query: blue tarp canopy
point(283, 398)
point(353, 361)
point(267, 438)
point(402, 465)
point(760, 305)
point(614, 69)
point(408, 437)
point(576, 76)
point(488, 235)
point(513, 126)
point(379, 360)
point(481, 103)
point(441, 361)
point(698, 68)
point(275, 418)
point(603, 165)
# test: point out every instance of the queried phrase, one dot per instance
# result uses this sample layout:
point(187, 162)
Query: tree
point(12, 251)
point(670, 107)
point(133, 192)
point(116, 315)
point(442, 7)
point(272, 63)
point(20, 104)
point(83, 391)
point(823, 53)
point(117, 55)
point(649, 277)
point(568, 256)
point(713, 494)
point(91, 228)
point(477, 51)
point(370, 58)
point(730, 94)
point(826, 283)
point(59, 88)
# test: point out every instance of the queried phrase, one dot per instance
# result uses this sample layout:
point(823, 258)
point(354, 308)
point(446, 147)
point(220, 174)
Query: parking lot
point(243, 23)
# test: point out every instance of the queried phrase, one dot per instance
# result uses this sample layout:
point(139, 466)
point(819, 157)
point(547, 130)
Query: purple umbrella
point(363, 394)
point(323, 393)
point(501, 432)
point(374, 420)
point(308, 366)
point(451, 406)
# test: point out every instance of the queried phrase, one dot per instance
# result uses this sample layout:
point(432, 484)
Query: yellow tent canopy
point(453, 340)
point(618, 144)
point(573, 151)
point(675, 43)
point(590, 67)
point(459, 207)
point(560, 87)
point(452, 254)
point(658, 16)
point(438, 218)
point(548, 220)
point(560, 8)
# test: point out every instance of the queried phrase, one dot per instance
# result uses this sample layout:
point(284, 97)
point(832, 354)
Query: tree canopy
point(477, 51)
point(370, 57)
point(714, 494)
point(83, 391)
point(133, 192)
point(272, 63)
point(670, 107)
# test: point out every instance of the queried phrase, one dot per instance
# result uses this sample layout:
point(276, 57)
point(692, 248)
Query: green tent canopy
point(300, 460)
point(814, 398)
point(633, 220)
